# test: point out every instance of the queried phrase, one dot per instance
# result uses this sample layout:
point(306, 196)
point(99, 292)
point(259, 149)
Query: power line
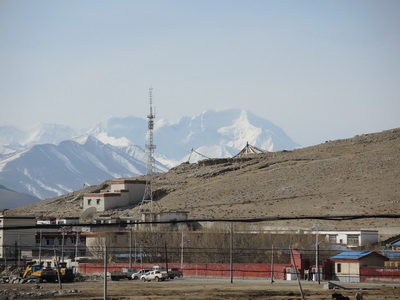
point(238, 220)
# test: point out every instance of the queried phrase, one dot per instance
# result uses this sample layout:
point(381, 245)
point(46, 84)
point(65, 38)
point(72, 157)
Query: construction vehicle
point(48, 274)
point(40, 273)
point(66, 274)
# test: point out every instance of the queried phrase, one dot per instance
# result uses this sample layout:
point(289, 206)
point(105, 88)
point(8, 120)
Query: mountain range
point(51, 160)
point(353, 177)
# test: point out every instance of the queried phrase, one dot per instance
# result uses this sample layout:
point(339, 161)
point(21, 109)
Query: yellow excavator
point(48, 274)
point(40, 273)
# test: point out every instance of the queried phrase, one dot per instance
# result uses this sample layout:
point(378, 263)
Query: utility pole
point(272, 265)
point(182, 250)
point(40, 247)
point(130, 249)
point(231, 252)
point(105, 273)
point(76, 252)
point(297, 275)
point(62, 246)
point(166, 257)
point(56, 262)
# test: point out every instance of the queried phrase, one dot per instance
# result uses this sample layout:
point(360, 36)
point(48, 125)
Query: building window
point(50, 242)
point(89, 201)
point(82, 241)
point(332, 238)
point(60, 241)
point(98, 201)
point(352, 240)
point(338, 268)
point(73, 240)
point(37, 241)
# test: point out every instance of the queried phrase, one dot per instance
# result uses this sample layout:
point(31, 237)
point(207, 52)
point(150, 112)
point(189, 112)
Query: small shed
point(394, 258)
point(348, 264)
point(395, 245)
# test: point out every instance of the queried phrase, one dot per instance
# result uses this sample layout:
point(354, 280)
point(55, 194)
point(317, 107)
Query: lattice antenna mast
point(150, 142)
point(148, 193)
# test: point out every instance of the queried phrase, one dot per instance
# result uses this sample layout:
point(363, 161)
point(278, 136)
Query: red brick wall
point(378, 274)
point(201, 270)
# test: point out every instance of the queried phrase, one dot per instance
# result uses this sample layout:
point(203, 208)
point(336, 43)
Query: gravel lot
point(194, 289)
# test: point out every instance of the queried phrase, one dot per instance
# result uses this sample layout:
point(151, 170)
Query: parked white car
point(137, 275)
point(155, 275)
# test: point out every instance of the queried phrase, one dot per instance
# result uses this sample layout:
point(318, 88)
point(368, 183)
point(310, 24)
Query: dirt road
point(193, 289)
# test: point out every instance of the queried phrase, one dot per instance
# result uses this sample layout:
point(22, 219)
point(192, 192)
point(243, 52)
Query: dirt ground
point(193, 289)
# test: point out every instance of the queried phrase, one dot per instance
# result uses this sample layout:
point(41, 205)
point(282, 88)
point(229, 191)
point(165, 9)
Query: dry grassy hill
point(358, 175)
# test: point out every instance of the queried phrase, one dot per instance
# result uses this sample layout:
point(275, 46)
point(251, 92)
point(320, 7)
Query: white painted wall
point(24, 237)
point(121, 193)
point(364, 236)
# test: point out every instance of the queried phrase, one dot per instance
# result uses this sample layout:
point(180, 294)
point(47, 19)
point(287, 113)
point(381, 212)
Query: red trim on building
point(102, 195)
point(124, 181)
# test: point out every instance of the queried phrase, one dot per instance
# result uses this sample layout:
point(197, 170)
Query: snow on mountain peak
point(62, 159)
point(117, 142)
point(242, 131)
point(43, 133)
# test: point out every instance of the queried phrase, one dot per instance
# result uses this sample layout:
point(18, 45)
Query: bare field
point(194, 289)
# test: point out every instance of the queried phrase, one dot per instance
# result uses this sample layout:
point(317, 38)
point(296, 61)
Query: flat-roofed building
point(16, 234)
point(122, 192)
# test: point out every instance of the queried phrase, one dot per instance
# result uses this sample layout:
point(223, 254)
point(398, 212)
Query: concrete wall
point(106, 201)
point(25, 238)
point(118, 241)
point(350, 271)
point(364, 236)
point(136, 189)
point(122, 193)
point(116, 199)
point(166, 216)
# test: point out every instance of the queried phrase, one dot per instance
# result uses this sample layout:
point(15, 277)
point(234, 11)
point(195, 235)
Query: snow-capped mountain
point(49, 170)
point(218, 134)
point(61, 161)
point(13, 140)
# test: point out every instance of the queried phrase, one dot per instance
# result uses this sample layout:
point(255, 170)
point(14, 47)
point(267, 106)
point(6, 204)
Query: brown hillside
point(358, 175)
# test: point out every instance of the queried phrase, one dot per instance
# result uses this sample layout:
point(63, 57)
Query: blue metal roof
point(391, 254)
point(397, 243)
point(353, 255)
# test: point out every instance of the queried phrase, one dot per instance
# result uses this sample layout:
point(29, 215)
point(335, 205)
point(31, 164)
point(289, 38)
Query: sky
point(320, 70)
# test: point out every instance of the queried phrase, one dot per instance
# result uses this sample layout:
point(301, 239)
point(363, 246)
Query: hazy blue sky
point(318, 69)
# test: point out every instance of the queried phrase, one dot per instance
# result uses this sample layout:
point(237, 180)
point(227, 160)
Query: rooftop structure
point(122, 192)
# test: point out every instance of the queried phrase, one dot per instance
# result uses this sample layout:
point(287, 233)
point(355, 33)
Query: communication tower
point(147, 201)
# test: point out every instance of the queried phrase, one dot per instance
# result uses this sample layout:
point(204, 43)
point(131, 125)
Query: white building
point(121, 193)
point(353, 238)
point(67, 221)
point(165, 216)
point(11, 237)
